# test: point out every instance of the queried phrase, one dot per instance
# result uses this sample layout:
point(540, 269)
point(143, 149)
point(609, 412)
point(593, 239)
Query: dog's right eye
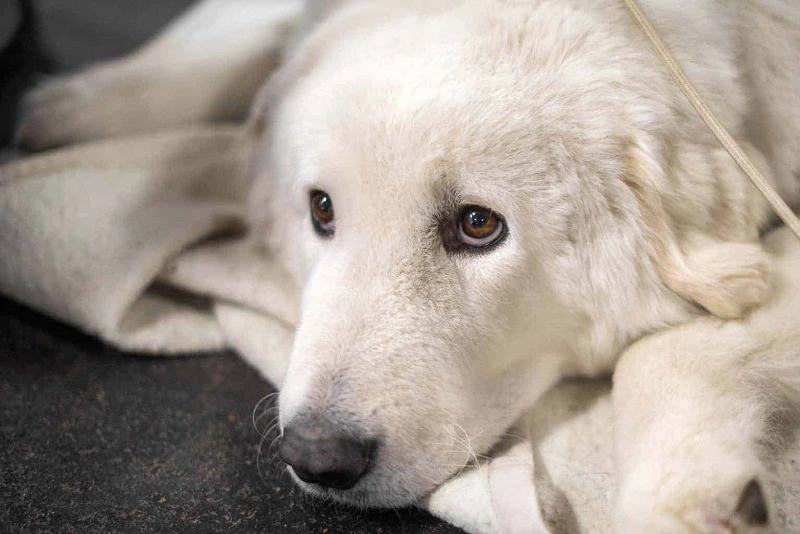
point(480, 228)
point(322, 213)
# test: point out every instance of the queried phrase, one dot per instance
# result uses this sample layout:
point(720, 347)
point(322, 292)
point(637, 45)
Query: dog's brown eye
point(480, 227)
point(322, 213)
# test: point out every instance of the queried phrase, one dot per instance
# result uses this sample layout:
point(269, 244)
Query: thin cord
point(783, 211)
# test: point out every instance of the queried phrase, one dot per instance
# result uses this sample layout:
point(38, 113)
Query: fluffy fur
point(625, 216)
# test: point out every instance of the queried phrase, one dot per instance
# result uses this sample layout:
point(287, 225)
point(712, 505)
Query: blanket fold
point(85, 233)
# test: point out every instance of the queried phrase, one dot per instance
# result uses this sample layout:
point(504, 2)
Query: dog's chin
point(371, 493)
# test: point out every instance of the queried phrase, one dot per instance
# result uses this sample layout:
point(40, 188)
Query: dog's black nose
point(321, 456)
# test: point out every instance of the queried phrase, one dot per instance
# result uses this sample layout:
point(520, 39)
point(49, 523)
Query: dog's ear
point(309, 41)
point(257, 117)
point(297, 57)
point(711, 268)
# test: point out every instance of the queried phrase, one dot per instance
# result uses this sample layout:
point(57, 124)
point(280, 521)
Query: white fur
point(625, 217)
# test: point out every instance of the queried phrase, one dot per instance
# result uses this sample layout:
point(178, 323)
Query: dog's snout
point(319, 455)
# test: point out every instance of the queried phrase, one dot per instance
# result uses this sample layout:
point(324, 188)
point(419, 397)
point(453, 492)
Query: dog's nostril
point(318, 456)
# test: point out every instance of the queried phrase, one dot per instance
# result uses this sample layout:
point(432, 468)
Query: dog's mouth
point(385, 484)
point(355, 495)
point(368, 493)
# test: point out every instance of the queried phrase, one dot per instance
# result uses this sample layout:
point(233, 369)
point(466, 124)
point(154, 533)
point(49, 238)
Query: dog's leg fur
point(206, 66)
point(687, 428)
point(692, 406)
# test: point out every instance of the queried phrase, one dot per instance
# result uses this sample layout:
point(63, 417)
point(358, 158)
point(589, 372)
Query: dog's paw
point(88, 105)
point(743, 510)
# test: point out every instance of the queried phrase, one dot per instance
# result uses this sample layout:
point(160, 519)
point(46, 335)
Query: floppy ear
point(700, 257)
point(301, 52)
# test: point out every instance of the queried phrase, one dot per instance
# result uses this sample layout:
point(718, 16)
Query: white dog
point(480, 197)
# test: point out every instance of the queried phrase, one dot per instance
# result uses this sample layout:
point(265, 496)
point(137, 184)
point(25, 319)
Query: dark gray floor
point(96, 441)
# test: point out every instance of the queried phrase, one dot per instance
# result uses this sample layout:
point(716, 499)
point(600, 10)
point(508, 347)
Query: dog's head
point(471, 204)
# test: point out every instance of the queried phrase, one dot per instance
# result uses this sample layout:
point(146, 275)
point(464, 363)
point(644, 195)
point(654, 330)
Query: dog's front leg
point(688, 419)
point(206, 66)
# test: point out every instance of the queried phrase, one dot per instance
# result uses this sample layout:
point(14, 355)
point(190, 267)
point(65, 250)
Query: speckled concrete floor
point(96, 441)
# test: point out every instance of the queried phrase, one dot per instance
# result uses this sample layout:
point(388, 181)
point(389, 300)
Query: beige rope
point(783, 211)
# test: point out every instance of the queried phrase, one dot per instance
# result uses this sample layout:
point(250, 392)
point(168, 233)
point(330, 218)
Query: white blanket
point(142, 242)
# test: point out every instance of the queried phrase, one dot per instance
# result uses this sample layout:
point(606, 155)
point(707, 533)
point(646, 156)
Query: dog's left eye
point(322, 216)
point(480, 227)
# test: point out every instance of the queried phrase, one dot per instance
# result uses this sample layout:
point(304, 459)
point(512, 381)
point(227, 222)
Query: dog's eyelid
point(460, 200)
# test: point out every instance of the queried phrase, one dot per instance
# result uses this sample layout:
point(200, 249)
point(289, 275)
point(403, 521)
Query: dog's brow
point(441, 176)
point(307, 180)
point(440, 171)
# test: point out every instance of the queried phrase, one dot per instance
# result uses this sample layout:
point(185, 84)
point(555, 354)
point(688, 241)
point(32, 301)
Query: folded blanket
point(142, 242)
